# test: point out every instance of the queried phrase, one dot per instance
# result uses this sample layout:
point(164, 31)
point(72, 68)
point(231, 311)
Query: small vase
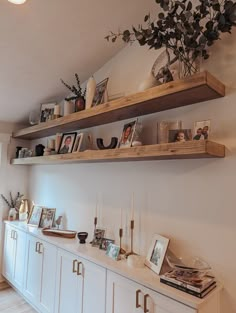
point(90, 92)
point(68, 107)
point(23, 210)
point(189, 66)
point(12, 214)
point(79, 104)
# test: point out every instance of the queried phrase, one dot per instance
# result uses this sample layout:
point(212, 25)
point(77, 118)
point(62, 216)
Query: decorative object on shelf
point(67, 143)
point(68, 108)
point(25, 153)
point(90, 92)
point(79, 95)
point(112, 145)
point(163, 130)
point(137, 140)
point(186, 29)
point(202, 130)
point(51, 143)
point(131, 252)
point(180, 135)
point(59, 233)
point(113, 251)
point(57, 141)
point(156, 253)
point(58, 221)
point(105, 243)
point(23, 210)
point(95, 222)
point(35, 215)
point(47, 151)
point(127, 135)
point(97, 237)
point(47, 218)
point(39, 150)
point(12, 214)
point(57, 111)
point(78, 142)
point(13, 202)
point(18, 148)
point(34, 117)
point(122, 251)
point(82, 237)
point(100, 95)
point(47, 112)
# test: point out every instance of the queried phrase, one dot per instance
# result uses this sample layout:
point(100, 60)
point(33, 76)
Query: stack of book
point(198, 287)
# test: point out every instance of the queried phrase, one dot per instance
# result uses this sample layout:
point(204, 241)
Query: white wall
point(190, 201)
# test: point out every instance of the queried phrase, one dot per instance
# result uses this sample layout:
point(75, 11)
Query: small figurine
point(58, 221)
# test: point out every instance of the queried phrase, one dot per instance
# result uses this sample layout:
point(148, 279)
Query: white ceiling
point(42, 41)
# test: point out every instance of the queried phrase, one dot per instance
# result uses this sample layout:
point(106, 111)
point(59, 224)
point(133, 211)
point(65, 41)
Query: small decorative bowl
point(82, 236)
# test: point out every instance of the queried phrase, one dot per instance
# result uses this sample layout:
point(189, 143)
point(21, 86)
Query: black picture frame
point(64, 147)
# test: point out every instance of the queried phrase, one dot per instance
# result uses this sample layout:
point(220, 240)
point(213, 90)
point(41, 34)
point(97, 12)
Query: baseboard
point(4, 285)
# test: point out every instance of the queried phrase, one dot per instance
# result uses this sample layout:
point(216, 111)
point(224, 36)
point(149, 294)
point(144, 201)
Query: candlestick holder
point(95, 226)
point(122, 251)
point(131, 252)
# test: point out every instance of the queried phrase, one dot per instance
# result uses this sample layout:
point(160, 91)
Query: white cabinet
point(14, 256)
point(40, 274)
point(126, 296)
point(81, 285)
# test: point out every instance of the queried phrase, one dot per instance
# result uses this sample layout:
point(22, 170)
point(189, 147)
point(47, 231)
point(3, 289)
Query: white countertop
point(143, 276)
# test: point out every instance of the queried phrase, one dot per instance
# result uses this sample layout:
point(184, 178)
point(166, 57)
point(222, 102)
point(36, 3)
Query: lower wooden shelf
point(180, 150)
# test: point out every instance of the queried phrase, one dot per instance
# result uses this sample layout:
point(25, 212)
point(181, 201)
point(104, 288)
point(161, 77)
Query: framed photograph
point(127, 135)
point(180, 135)
point(105, 243)
point(156, 253)
point(47, 218)
point(78, 142)
point(67, 143)
point(100, 93)
point(47, 112)
point(97, 237)
point(113, 251)
point(202, 130)
point(35, 216)
point(163, 129)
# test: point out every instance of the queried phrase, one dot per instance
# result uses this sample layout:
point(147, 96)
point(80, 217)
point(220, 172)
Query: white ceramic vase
point(69, 107)
point(90, 92)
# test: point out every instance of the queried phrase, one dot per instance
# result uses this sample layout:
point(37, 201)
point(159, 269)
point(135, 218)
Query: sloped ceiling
point(42, 41)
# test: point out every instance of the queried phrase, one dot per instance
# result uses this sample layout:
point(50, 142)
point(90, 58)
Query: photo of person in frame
point(202, 130)
point(127, 135)
point(157, 252)
point(47, 218)
point(180, 135)
point(67, 143)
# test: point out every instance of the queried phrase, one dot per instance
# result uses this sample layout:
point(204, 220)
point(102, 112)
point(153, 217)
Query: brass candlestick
point(122, 251)
point(95, 226)
point(132, 240)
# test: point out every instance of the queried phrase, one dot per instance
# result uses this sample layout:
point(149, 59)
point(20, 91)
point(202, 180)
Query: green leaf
point(114, 39)
point(189, 6)
point(161, 16)
point(147, 17)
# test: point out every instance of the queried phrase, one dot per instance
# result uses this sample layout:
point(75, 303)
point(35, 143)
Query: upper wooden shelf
point(181, 150)
point(197, 88)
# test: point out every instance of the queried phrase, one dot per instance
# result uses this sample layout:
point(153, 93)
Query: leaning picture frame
point(47, 112)
point(156, 253)
point(35, 216)
point(47, 218)
point(100, 93)
point(67, 143)
point(78, 142)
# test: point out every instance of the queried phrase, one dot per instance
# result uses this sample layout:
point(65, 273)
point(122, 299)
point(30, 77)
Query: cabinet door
point(8, 254)
point(33, 270)
point(19, 258)
point(69, 284)
point(94, 288)
point(123, 295)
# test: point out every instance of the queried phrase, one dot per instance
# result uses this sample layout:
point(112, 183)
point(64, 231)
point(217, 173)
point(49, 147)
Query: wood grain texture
point(197, 88)
point(181, 150)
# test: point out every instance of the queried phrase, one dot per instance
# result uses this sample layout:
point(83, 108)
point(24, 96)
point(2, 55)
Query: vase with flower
point(13, 204)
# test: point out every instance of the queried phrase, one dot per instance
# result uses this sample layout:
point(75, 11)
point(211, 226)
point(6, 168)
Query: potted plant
point(13, 204)
point(184, 28)
point(79, 95)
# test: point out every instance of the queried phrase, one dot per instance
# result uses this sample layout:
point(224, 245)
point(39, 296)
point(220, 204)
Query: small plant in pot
point(79, 95)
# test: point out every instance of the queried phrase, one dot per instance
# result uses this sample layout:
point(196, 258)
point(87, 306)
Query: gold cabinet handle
point(137, 298)
point(39, 250)
point(78, 268)
point(146, 310)
point(12, 231)
point(37, 247)
point(73, 266)
point(14, 235)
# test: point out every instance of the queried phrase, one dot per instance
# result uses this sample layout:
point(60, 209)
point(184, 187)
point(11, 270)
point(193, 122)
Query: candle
point(121, 222)
point(57, 109)
point(96, 210)
point(132, 207)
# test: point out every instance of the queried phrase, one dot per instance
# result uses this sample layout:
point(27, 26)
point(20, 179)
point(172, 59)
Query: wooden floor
point(11, 302)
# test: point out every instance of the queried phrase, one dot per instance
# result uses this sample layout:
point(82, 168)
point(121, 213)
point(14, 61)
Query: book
point(195, 284)
point(189, 291)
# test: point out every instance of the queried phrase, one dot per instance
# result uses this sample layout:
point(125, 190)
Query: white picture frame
point(78, 142)
point(156, 253)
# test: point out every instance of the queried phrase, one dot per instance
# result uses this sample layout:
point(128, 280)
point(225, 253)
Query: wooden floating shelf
point(197, 88)
point(180, 150)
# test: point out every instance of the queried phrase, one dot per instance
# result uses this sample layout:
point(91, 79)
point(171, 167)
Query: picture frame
point(35, 216)
point(163, 128)
point(180, 135)
point(113, 251)
point(47, 112)
point(47, 218)
point(78, 142)
point(100, 92)
point(127, 135)
point(105, 243)
point(67, 143)
point(202, 130)
point(97, 237)
point(156, 253)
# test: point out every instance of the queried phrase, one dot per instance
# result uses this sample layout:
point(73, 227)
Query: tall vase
point(90, 92)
